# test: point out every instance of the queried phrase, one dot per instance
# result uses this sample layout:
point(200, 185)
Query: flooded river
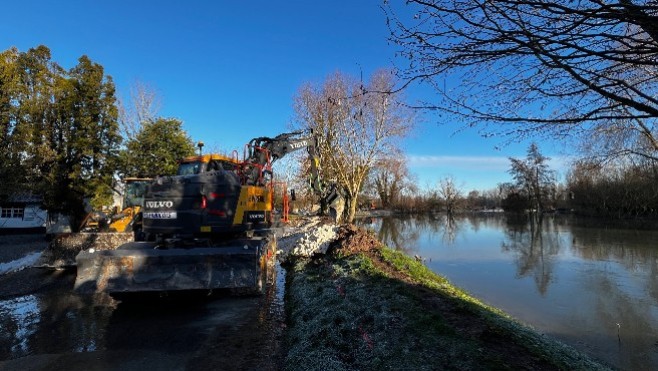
point(593, 288)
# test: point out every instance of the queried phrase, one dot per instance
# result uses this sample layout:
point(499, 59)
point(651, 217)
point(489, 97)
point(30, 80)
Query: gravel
point(312, 237)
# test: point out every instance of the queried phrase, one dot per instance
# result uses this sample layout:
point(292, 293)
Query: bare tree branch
point(559, 68)
point(142, 106)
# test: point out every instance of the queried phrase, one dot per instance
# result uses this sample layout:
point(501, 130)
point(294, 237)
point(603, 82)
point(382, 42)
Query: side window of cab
point(214, 166)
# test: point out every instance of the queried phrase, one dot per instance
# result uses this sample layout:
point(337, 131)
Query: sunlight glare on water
point(20, 318)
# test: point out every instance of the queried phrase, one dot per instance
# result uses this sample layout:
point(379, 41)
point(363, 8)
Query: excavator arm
point(263, 151)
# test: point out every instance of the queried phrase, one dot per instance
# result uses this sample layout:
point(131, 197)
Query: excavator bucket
point(135, 267)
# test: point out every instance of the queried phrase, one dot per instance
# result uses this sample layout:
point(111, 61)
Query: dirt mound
point(352, 240)
point(316, 237)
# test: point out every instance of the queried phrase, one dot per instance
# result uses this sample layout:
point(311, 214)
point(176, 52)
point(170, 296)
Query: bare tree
point(583, 70)
point(449, 193)
point(357, 124)
point(534, 178)
point(142, 106)
point(390, 177)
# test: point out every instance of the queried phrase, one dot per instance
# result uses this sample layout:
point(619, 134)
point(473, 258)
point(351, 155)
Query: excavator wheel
point(267, 270)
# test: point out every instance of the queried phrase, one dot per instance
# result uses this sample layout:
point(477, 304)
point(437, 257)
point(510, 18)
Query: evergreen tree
point(156, 149)
point(59, 130)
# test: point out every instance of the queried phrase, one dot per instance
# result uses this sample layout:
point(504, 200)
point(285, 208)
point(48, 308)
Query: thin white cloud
point(489, 163)
point(460, 162)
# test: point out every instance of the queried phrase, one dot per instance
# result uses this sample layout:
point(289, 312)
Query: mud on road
point(44, 325)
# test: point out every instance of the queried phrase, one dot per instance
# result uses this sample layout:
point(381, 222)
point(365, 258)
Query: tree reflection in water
point(403, 232)
point(400, 233)
point(535, 242)
point(633, 249)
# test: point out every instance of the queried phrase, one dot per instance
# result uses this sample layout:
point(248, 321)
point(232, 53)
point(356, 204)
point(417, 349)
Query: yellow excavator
point(119, 221)
point(133, 201)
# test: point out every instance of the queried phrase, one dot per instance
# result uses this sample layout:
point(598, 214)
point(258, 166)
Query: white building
point(22, 214)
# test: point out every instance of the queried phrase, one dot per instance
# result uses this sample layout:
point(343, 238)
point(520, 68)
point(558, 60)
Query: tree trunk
point(351, 210)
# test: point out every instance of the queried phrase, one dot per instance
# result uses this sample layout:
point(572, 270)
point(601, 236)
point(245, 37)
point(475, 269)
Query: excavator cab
point(201, 164)
point(134, 191)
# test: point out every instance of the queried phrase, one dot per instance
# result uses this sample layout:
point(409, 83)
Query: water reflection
point(402, 233)
point(398, 234)
point(592, 287)
point(19, 319)
point(178, 326)
point(58, 322)
point(535, 245)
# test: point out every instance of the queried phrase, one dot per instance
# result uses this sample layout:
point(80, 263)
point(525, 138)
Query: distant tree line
point(615, 190)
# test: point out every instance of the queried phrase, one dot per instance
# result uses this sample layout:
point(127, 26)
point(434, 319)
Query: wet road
point(46, 326)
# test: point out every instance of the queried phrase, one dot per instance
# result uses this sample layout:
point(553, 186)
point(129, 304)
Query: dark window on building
point(12, 212)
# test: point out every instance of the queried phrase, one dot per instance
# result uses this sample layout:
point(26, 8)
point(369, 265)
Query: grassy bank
point(364, 307)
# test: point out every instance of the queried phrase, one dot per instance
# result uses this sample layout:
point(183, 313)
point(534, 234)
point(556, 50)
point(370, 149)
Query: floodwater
point(594, 288)
point(58, 329)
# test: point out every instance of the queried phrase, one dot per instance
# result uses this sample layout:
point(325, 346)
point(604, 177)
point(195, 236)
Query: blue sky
point(229, 69)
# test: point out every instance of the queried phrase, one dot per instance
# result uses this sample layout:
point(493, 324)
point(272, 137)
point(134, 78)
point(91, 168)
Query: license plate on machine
point(160, 215)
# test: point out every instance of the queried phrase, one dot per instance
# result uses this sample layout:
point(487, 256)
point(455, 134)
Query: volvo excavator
point(206, 228)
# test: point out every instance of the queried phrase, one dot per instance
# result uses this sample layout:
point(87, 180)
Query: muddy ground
point(44, 325)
